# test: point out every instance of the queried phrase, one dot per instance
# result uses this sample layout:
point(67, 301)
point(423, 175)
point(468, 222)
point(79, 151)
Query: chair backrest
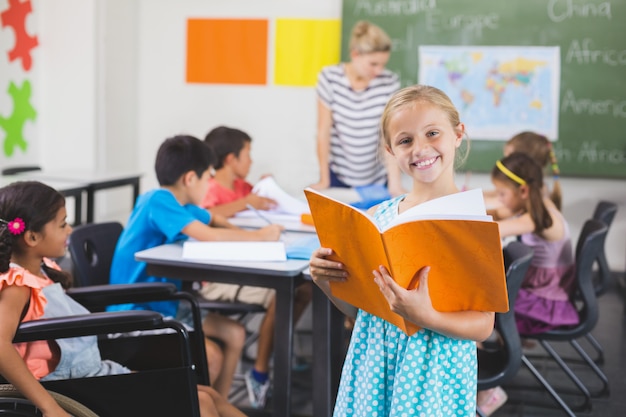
point(604, 212)
point(498, 367)
point(590, 244)
point(17, 170)
point(91, 248)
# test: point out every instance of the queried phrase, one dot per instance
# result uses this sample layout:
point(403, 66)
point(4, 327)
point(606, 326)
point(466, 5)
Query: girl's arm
point(324, 271)
point(416, 306)
point(324, 123)
point(13, 299)
point(515, 226)
point(201, 231)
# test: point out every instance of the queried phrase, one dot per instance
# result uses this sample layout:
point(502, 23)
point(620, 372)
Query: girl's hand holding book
point(413, 304)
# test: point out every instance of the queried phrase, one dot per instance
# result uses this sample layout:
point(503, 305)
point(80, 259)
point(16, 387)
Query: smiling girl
point(434, 371)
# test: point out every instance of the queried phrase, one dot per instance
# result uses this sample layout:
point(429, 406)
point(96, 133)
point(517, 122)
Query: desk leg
point(283, 347)
point(328, 353)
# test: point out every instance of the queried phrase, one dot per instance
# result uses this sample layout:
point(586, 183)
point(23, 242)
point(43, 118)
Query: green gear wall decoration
point(14, 124)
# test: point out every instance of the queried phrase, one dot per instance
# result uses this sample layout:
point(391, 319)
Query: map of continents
point(499, 91)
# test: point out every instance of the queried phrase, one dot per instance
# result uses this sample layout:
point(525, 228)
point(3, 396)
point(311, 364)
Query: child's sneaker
point(257, 391)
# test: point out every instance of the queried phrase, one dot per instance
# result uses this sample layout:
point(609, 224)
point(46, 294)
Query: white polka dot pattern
point(389, 374)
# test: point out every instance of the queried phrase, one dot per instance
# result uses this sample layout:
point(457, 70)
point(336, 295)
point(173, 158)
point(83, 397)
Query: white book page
point(466, 205)
point(235, 251)
point(286, 203)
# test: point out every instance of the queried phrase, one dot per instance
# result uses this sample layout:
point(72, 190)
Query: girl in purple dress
point(543, 302)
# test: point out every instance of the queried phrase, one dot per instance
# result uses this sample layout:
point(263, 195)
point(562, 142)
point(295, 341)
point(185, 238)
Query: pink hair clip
point(15, 226)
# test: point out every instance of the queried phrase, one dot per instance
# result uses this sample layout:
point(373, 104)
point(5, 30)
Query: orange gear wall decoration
point(15, 17)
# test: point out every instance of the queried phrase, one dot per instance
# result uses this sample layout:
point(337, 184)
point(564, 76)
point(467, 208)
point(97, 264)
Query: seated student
point(34, 228)
point(540, 149)
point(229, 193)
point(172, 213)
point(544, 299)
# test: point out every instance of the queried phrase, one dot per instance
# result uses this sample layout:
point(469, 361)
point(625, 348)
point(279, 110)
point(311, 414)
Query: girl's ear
point(31, 239)
point(388, 149)
point(460, 132)
point(524, 191)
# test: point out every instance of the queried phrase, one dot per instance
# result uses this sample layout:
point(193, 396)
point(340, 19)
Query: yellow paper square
point(303, 47)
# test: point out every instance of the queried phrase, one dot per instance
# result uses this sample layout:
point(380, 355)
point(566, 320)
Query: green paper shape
point(14, 124)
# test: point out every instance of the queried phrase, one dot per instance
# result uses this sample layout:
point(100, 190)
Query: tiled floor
point(524, 392)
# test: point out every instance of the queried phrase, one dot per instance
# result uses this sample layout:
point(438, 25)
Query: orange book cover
point(464, 253)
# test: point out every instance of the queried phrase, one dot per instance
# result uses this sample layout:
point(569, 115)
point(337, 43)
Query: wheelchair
point(167, 366)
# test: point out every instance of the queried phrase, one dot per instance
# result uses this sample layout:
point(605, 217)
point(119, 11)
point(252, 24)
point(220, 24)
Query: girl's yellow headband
point(510, 173)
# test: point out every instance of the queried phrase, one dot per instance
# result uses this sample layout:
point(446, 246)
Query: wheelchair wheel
point(13, 404)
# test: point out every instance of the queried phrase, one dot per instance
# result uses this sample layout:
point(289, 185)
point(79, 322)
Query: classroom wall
point(113, 76)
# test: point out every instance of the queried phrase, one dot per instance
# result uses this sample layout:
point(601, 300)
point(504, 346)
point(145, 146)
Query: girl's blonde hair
point(368, 38)
point(539, 148)
point(409, 96)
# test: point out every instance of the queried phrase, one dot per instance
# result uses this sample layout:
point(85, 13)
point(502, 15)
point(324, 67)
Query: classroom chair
point(158, 389)
point(588, 247)
point(497, 366)
point(604, 212)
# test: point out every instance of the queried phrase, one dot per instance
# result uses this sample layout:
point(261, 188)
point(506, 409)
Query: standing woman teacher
point(351, 98)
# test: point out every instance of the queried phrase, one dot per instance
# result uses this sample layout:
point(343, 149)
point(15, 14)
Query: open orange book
point(463, 251)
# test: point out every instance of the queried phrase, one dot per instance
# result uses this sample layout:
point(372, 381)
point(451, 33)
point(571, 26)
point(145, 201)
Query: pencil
point(258, 213)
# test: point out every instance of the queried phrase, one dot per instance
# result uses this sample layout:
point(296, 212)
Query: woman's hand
point(414, 305)
point(321, 185)
point(324, 271)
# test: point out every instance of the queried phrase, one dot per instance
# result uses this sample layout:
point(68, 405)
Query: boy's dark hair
point(36, 204)
point(180, 154)
point(224, 141)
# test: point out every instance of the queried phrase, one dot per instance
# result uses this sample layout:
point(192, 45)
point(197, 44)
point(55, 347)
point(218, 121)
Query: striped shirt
point(355, 151)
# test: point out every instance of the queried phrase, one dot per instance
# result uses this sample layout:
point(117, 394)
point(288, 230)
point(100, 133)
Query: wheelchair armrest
point(88, 324)
point(105, 295)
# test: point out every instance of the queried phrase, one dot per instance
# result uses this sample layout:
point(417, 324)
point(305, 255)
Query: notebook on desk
point(297, 248)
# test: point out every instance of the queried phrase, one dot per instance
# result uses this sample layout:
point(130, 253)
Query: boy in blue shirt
point(171, 213)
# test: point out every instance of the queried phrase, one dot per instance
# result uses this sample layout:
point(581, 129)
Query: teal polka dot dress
point(387, 373)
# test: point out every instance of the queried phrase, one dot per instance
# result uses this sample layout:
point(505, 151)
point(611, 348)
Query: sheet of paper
point(235, 251)
point(286, 203)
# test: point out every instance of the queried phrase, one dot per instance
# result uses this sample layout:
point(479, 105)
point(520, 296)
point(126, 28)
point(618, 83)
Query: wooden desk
point(95, 181)
point(284, 277)
point(69, 188)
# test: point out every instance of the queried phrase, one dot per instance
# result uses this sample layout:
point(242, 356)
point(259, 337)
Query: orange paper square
point(227, 51)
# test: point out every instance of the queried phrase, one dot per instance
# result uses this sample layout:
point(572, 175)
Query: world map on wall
point(499, 91)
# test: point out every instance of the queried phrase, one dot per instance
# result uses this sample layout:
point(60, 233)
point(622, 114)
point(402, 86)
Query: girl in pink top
point(33, 227)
